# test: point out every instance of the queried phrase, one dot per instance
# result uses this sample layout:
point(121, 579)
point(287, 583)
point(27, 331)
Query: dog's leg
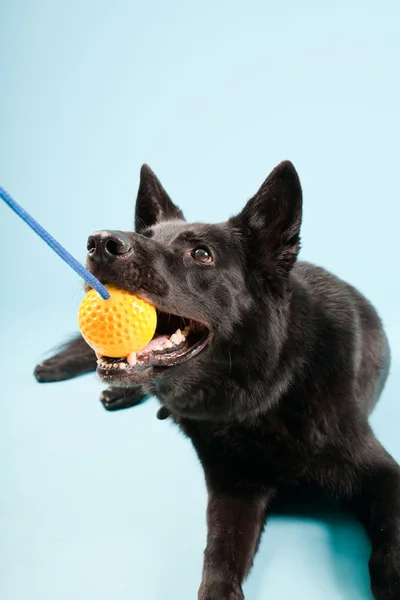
point(235, 524)
point(114, 398)
point(377, 504)
point(75, 358)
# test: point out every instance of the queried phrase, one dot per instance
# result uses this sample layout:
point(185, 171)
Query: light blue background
point(98, 506)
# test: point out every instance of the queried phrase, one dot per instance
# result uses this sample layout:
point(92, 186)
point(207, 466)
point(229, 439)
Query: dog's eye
point(202, 254)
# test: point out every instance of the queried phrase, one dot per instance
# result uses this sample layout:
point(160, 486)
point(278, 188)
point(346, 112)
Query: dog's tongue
point(158, 343)
point(155, 344)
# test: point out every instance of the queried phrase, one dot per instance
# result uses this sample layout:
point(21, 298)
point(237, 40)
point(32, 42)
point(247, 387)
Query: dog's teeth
point(122, 365)
point(178, 332)
point(168, 344)
point(174, 338)
point(131, 359)
point(186, 331)
point(115, 365)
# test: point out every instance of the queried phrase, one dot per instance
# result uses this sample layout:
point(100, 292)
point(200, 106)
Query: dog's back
point(343, 305)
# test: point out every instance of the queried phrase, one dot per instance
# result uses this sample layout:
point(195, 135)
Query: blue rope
point(54, 245)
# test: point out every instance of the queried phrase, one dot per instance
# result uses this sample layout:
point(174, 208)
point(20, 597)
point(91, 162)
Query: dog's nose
point(107, 246)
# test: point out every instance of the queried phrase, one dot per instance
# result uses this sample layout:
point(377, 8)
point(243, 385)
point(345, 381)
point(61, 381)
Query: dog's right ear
point(153, 204)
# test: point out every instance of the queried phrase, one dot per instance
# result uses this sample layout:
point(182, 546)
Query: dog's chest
point(255, 456)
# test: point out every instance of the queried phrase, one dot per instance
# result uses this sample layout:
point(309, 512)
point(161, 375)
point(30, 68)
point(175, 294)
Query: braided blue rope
point(54, 245)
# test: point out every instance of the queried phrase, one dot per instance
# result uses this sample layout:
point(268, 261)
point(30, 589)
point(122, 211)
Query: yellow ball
point(118, 326)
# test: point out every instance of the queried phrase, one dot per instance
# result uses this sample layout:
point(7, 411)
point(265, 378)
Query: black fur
point(279, 399)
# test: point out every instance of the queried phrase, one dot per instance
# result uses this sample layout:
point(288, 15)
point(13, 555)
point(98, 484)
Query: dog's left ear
point(270, 222)
point(153, 204)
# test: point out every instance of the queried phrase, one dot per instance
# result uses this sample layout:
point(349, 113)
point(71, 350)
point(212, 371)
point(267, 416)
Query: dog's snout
point(107, 246)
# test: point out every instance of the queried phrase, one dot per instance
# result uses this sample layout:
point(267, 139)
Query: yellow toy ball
point(118, 326)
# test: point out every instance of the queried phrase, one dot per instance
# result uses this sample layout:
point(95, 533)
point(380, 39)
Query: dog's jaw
point(162, 353)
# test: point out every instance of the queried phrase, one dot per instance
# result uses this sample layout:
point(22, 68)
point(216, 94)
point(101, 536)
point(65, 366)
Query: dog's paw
point(384, 567)
point(114, 398)
point(220, 591)
point(163, 413)
point(51, 370)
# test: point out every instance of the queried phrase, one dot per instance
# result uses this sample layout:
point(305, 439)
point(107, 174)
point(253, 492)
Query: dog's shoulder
point(332, 294)
point(317, 277)
point(327, 290)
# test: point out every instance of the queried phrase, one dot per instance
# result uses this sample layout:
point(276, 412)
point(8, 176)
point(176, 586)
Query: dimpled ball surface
point(118, 326)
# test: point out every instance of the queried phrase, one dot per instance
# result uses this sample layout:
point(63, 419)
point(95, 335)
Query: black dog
point(272, 373)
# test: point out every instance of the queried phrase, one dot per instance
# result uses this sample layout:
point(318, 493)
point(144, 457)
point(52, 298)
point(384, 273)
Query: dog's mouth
point(175, 341)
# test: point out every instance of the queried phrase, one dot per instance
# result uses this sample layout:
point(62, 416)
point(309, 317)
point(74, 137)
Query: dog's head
point(221, 291)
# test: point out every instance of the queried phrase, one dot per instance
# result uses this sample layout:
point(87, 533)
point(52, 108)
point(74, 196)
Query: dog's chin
point(176, 341)
point(127, 378)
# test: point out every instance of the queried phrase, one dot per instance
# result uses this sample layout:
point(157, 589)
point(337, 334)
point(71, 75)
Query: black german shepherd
point(270, 366)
